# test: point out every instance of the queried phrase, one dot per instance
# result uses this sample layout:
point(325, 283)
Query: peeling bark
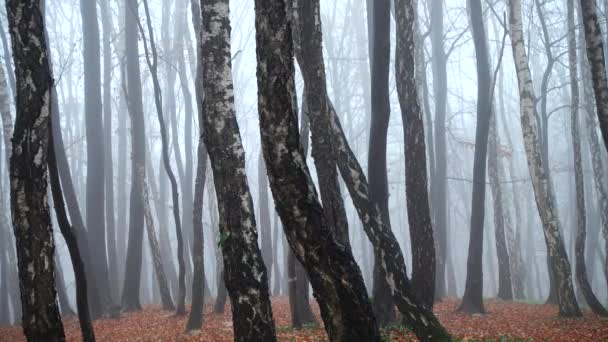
point(28, 173)
point(245, 274)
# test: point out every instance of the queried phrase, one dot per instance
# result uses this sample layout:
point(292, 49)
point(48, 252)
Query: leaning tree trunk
point(417, 197)
point(69, 234)
point(543, 192)
point(581, 219)
point(245, 273)
point(132, 278)
point(28, 173)
point(152, 61)
point(595, 54)
point(307, 43)
point(334, 275)
point(378, 134)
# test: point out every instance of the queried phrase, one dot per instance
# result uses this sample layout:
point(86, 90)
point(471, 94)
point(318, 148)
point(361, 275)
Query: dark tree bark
point(299, 303)
point(377, 169)
point(199, 286)
point(439, 186)
point(95, 177)
point(245, 274)
point(334, 275)
point(472, 302)
point(581, 218)
point(106, 22)
point(265, 216)
point(595, 55)
point(308, 52)
point(132, 279)
point(152, 60)
point(417, 197)
point(28, 173)
point(69, 234)
point(543, 193)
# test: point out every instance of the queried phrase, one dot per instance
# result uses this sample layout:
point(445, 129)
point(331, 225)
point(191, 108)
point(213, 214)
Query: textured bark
point(245, 274)
point(95, 176)
point(417, 197)
point(378, 134)
point(595, 55)
point(5, 113)
point(581, 218)
point(161, 278)
point(265, 216)
point(110, 218)
point(505, 290)
point(152, 61)
point(132, 278)
point(439, 186)
point(472, 301)
point(28, 173)
point(70, 236)
point(299, 304)
point(308, 51)
point(334, 275)
point(542, 190)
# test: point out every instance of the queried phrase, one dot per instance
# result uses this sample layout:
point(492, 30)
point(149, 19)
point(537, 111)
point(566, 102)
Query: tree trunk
point(439, 180)
point(245, 273)
point(106, 21)
point(417, 197)
point(595, 55)
point(132, 279)
point(333, 273)
point(95, 177)
point(152, 60)
point(377, 170)
point(70, 236)
point(542, 191)
point(28, 173)
point(265, 216)
point(581, 218)
point(472, 301)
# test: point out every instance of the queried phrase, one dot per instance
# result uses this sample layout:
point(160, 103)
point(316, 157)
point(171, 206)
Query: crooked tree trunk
point(28, 173)
point(542, 190)
point(595, 55)
point(132, 278)
point(581, 218)
point(152, 60)
point(70, 236)
point(245, 273)
point(472, 301)
point(334, 275)
point(417, 197)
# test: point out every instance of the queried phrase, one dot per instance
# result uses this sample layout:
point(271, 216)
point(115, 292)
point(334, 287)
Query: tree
point(245, 273)
point(377, 170)
point(331, 268)
point(472, 301)
point(439, 186)
point(581, 219)
point(595, 55)
point(543, 192)
point(95, 191)
point(152, 61)
point(28, 173)
point(130, 293)
point(419, 215)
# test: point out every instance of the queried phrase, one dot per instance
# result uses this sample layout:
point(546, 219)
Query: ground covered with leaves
point(504, 321)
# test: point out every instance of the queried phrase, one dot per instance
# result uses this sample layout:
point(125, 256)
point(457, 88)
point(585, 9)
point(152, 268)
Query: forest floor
point(504, 321)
